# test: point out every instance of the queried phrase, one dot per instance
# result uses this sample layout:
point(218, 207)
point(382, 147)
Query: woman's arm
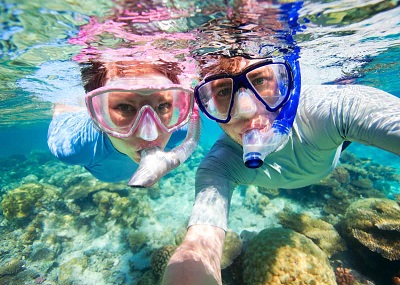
point(197, 260)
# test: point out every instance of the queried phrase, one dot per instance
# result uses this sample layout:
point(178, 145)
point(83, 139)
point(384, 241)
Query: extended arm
point(356, 113)
point(197, 260)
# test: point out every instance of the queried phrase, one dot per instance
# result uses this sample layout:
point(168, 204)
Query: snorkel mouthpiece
point(155, 163)
point(252, 149)
point(258, 144)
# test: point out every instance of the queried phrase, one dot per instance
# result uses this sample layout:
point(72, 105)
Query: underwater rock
point(232, 248)
point(160, 258)
point(375, 223)
point(137, 240)
point(255, 201)
point(270, 193)
point(320, 232)
point(279, 256)
point(11, 267)
point(70, 271)
point(148, 278)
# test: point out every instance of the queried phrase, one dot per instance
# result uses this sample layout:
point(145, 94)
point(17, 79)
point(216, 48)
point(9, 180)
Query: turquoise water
point(62, 225)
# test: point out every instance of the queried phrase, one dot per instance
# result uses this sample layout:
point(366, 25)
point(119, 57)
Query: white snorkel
point(155, 163)
point(257, 144)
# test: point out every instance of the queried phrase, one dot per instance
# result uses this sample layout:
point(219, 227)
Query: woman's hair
point(95, 74)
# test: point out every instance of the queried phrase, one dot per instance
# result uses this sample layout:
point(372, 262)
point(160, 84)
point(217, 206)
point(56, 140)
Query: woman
point(132, 107)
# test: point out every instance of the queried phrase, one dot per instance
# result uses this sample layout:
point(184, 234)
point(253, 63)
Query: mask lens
point(271, 82)
point(216, 97)
point(120, 110)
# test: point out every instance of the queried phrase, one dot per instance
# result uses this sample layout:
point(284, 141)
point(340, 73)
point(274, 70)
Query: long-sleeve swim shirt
point(74, 139)
point(327, 116)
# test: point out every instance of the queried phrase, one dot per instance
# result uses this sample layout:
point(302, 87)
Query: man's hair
point(95, 74)
point(219, 64)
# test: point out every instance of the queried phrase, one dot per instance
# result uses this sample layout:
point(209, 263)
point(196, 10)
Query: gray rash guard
point(327, 115)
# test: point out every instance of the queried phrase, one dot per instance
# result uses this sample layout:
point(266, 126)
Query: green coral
point(231, 250)
point(126, 210)
point(279, 256)
point(374, 223)
point(20, 202)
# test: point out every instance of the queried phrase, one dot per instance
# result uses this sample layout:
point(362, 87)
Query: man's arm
point(197, 261)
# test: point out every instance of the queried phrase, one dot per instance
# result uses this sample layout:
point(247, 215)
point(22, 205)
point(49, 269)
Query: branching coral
point(375, 224)
point(20, 202)
point(322, 233)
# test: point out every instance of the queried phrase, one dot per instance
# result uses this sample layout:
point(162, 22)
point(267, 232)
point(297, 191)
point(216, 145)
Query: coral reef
point(232, 248)
point(283, 256)
point(256, 201)
point(320, 232)
point(160, 258)
point(375, 224)
point(20, 202)
point(344, 276)
point(71, 271)
point(108, 231)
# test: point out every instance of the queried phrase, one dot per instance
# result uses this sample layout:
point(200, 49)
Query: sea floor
point(59, 225)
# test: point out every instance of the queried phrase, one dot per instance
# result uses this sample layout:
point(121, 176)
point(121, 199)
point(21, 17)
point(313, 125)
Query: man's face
point(248, 112)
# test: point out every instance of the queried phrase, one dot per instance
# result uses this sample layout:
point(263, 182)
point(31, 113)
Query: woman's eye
point(164, 108)
point(125, 108)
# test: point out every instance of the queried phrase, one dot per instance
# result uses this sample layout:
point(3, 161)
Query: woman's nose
point(245, 106)
point(147, 128)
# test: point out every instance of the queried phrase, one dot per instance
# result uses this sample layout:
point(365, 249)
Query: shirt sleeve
point(216, 177)
point(73, 139)
point(353, 112)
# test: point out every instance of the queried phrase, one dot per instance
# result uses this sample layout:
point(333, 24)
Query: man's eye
point(259, 81)
point(224, 92)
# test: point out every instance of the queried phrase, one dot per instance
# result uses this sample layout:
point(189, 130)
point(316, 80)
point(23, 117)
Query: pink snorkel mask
point(140, 110)
point(120, 113)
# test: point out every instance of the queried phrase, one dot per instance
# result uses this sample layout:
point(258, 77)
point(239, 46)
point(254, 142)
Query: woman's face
point(248, 112)
point(123, 107)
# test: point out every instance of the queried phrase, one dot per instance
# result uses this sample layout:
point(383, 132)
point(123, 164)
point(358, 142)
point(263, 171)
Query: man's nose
point(245, 106)
point(147, 128)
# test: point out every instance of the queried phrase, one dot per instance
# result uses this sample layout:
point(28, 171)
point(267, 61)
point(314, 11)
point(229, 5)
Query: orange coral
point(344, 276)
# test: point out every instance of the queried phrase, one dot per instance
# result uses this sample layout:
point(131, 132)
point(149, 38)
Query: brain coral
point(280, 256)
point(160, 258)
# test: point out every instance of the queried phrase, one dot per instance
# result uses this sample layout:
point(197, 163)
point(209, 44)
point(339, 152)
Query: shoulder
point(224, 161)
point(72, 137)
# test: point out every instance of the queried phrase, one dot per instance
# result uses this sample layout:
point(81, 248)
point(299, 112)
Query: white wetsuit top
point(327, 116)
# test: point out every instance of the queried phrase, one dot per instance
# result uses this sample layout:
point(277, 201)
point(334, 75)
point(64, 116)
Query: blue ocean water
point(85, 224)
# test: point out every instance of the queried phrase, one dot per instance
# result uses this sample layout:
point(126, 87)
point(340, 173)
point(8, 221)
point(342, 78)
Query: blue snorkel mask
point(256, 144)
point(272, 82)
